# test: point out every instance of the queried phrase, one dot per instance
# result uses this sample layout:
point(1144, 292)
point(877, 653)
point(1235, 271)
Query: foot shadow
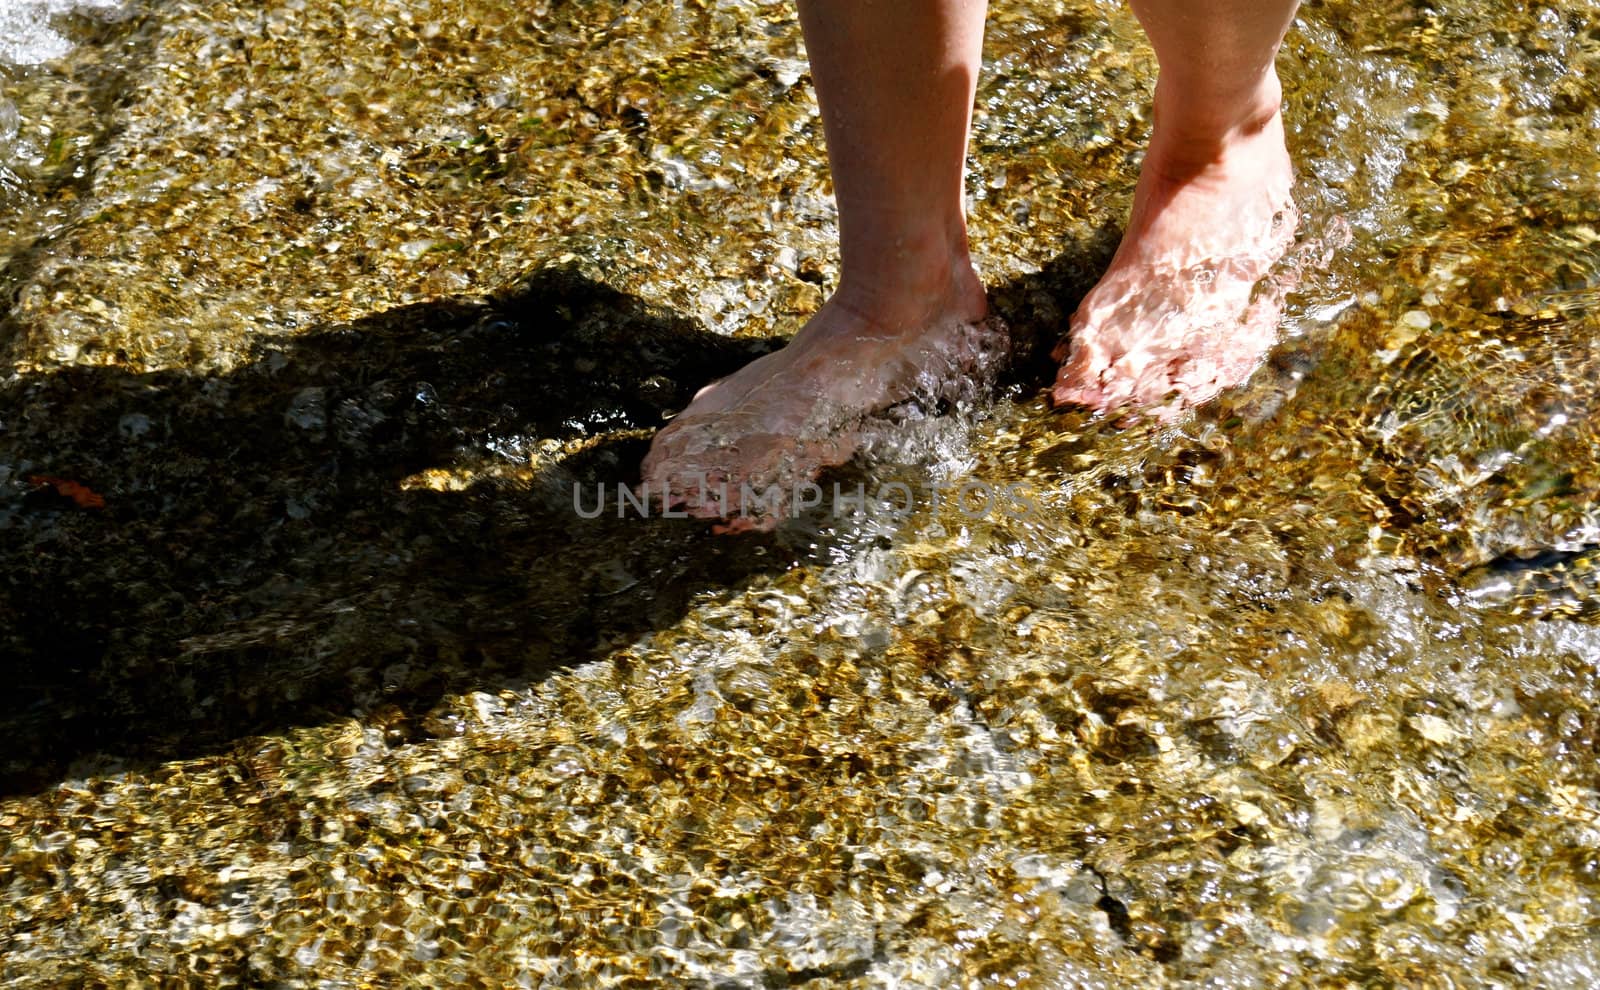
point(1037, 306)
point(262, 561)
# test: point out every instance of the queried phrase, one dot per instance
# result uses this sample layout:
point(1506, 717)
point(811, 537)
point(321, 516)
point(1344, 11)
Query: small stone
point(1434, 729)
point(413, 250)
point(133, 425)
point(1249, 813)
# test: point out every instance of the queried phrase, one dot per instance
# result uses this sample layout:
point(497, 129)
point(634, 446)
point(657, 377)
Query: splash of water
point(29, 34)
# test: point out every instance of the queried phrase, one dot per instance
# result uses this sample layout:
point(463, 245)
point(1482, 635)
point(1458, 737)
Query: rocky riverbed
point(314, 315)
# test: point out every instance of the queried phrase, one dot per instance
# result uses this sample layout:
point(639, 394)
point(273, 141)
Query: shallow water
point(333, 304)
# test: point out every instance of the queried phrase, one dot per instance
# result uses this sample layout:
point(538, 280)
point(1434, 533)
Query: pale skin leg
point(895, 80)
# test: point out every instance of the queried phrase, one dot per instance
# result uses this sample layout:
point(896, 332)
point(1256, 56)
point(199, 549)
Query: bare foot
point(776, 423)
point(1178, 315)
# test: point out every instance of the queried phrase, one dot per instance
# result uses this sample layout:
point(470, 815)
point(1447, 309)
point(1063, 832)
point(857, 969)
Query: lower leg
point(1216, 58)
point(1174, 314)
point(895, 80)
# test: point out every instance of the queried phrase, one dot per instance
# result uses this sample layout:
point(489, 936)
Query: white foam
point(26, 34)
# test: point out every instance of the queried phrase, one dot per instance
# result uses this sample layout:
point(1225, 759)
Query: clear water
point(28, 36)
point(332, 304)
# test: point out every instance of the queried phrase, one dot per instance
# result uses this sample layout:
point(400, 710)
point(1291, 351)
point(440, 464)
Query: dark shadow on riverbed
point(259, 564)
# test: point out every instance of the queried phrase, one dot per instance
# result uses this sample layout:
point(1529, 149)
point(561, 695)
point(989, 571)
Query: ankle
point(905, 279)
point(1196, 126)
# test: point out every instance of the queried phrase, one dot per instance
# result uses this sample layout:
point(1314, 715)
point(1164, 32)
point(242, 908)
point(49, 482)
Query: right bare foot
point(776, 423)
point(1178, 315)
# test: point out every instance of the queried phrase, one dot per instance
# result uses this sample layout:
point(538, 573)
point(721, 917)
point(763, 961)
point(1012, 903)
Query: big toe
point(1083, 378)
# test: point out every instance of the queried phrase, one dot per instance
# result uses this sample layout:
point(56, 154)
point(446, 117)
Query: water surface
point(332, 304)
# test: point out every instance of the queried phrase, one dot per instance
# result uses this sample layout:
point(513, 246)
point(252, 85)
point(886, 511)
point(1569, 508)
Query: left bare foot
point(1176, 318)
point(745, 444)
